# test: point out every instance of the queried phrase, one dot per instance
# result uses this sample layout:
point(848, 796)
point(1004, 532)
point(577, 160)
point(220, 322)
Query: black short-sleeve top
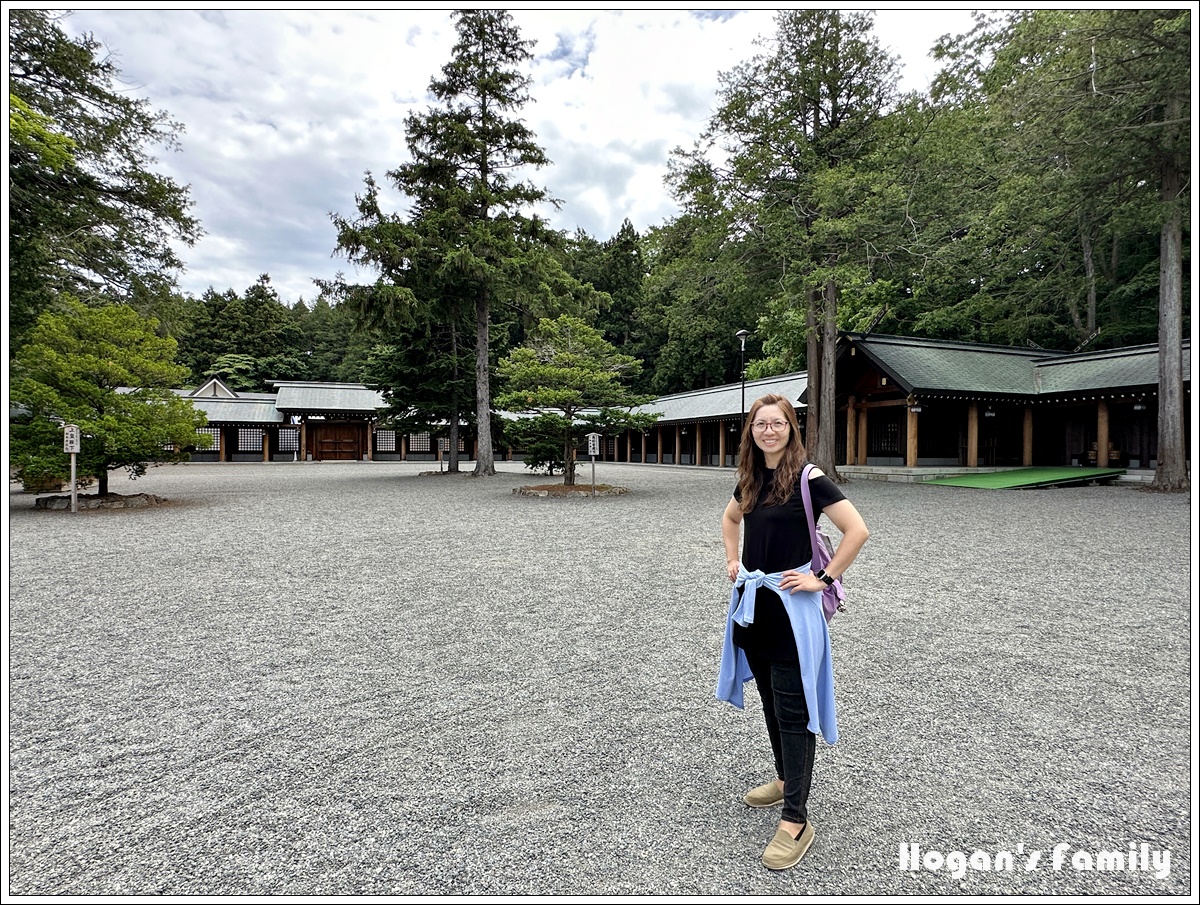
point(774, 539)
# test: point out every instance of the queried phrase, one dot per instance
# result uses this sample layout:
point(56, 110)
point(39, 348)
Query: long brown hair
point(752, 464)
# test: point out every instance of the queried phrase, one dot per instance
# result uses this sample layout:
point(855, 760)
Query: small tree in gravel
point(106, 370)
point(575, 380)
point(541, 438)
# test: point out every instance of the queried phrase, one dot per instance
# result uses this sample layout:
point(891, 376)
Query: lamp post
point(741, 335)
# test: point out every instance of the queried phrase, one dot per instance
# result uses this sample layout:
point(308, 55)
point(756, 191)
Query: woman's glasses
point(759, 426)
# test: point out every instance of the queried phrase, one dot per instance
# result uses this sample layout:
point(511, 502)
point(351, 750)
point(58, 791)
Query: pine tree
point(567, 370)
point(470, 237)
point(106, 370)
point(88, 216)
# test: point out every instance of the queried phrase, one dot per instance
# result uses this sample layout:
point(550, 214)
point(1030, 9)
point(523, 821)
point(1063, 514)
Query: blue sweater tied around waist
point(812, 645)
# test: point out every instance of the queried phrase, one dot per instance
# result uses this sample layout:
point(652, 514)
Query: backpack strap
point(805, 476)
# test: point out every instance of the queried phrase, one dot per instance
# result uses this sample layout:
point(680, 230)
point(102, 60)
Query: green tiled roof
point(935, 366)
point(1132, 367)
point(292, 396)
point(300, 396)
point(238, 411)
point(725, 401)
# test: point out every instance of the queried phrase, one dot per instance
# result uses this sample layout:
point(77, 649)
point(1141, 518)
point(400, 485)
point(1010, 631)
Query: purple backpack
point(833, 598)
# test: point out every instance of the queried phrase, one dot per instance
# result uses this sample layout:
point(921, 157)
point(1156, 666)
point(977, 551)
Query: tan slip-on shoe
point(764, 796)
point(783, 851)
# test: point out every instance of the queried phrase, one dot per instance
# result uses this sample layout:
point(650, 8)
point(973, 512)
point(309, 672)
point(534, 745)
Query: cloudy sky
point(285, 111)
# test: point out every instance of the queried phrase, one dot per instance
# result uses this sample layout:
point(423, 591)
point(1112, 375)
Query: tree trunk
point(1082, 330)
point(484, 464)
point(826, 457)
point(102, 482)
point(454, 406)
point(812, 363)
point(1171, 474)
point(452, 443)
point(568, 460)
point(1089, 268)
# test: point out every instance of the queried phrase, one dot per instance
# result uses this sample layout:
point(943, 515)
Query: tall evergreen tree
point(466, 177)
point(471, 234)
point(245, 340)
point(699, 294)
point(1034, 196)
point(801, 136)
point(1087, 115)
point(334, 348)
point(87, 214)
point(618, 268)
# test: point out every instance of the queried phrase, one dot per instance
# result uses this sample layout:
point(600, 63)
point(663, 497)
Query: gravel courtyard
point(354, 679)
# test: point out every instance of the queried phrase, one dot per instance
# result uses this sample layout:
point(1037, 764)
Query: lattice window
point(289, 439)
point(385, 441)
point(213, 433)
point(250, 439)
point(419, 443)
point(883, 435)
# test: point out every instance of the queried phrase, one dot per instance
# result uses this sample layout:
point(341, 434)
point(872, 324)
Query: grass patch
point(1031, 477)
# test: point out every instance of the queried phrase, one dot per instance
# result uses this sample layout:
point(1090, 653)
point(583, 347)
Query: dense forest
point(1036, 195)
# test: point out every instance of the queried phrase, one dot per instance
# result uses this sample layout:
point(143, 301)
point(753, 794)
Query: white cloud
point(285, 111)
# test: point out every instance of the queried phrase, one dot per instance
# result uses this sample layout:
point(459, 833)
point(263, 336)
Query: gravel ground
point(353, 679)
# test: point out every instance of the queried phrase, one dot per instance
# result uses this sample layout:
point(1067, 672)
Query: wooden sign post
point(593, 451)
point(71, 445)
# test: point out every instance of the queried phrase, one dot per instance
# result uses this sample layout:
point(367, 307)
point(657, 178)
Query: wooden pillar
point(973, 435)
point(851, 432)
point(721, 444)
point(303, 440)
point(370, 443)
point(629, 445)
point(862, 436)
point(910, 459)
point(658, 430)
point(266, 444)
point(645, 444)
point(404, 447)
point(1027, 438)
point(699, 450)
point(675, 454)
point(1102, 434)
point(221, 444)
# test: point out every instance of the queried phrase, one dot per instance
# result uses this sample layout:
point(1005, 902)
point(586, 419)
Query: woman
point(768, 501)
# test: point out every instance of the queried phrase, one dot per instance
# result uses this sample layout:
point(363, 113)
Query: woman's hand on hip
point(801, 581)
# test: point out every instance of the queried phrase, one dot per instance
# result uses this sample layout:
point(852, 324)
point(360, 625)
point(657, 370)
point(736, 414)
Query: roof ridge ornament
point(1080, 347)
point(875, 321)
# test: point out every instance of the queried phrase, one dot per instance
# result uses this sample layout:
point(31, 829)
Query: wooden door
point(338, 441)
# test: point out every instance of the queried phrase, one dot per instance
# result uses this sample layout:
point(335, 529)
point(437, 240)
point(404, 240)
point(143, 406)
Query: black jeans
point(786, 712)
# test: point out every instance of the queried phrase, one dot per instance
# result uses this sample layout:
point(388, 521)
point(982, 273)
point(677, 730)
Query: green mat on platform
point(1031, 477)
